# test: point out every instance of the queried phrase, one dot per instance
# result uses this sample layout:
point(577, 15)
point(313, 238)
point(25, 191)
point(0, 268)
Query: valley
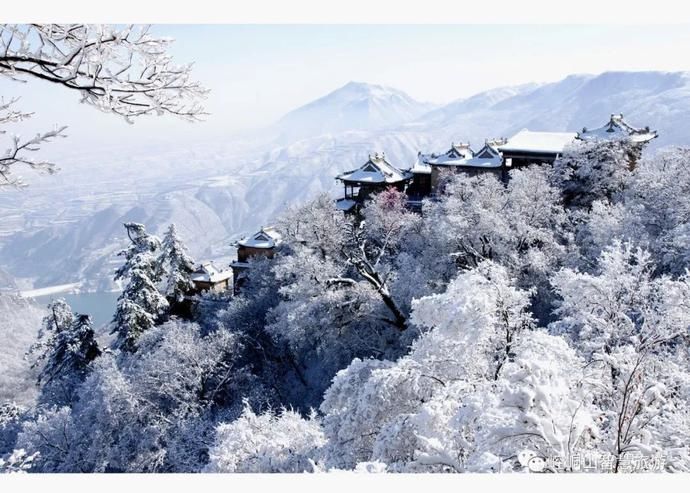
point(67, 228)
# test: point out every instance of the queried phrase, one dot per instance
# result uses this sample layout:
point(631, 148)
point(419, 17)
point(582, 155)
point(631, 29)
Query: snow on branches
point(17, 153)
point(545, 324)
point(126, 71)
point(141, 304)
point(270, 442)
point(178, 265)
point(68, 345)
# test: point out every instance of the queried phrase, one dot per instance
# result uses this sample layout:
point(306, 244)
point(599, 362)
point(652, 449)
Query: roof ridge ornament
point(618, 128)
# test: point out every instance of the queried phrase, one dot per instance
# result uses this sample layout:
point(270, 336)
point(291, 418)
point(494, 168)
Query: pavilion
point(374, 176)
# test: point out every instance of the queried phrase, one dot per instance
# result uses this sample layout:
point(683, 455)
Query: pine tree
point(589, 171)
point(67, 345)
point(60, 318)
point(177, 265)
point(72, 351)
point(140, 305)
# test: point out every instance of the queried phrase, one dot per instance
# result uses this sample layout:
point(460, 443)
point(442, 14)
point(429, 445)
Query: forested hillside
point(508, 327)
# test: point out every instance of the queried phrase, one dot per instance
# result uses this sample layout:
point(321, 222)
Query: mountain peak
point(354, 106)
point(353, 84)
point(365, 89)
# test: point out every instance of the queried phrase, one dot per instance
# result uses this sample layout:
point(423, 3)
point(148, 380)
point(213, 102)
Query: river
point(100, 306)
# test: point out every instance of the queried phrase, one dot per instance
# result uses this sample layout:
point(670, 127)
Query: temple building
point(618, 128)
point(497, 156)
point(461, 158)
point(374, 176)
point(263, 243)
point(527, 147)
point(207, 277)
point(420, 186)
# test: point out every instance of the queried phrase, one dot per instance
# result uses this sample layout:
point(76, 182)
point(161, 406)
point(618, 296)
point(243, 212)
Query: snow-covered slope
point(355, 106)
point(7, 283)
point(19, 322)
point(216, 193)
point(658, 99)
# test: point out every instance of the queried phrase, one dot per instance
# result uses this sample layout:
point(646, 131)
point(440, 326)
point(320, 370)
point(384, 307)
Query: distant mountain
point(86, 250)
point(218, 192)
point(478, 102)
point(658, 99)
point(355, 106)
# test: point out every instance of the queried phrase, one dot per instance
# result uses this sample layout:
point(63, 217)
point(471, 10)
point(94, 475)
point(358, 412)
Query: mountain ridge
point(239, 191)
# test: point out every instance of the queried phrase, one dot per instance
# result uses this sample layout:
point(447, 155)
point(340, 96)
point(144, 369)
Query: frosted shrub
point(269, 442)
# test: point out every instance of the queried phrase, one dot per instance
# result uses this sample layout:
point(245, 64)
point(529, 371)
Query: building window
point(351, 191)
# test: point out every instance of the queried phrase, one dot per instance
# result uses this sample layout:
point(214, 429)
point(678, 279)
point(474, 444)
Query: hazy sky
point(256, 73)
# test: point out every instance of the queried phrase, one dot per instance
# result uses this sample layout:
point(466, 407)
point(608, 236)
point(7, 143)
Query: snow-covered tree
point(623, 304)
point(268, 442)
point(122, 70)
point(520, 226)
point(17, 462)
point(11, 417)
point(369, 244)
point(49, 436)
point(596, 170)
point(367, 398)
point(360, 249)
point(208, 363)
point(631, 327)
point(150, 411)
point(402, 413)
point(66, 359)
point(177, 266)
point(20, 320)
point(59, 318)
point(335, 302)
point(140, 305)
point(316, 224)
point(657, 210)
point(66, 346)
point(540, 404)
point(18, 152)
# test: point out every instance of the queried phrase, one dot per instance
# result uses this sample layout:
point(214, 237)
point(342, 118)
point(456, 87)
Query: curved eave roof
point(252, 243)
point(374, 178)
point(265, 238)
point(602, 133)
point(446, 161)
point(210, 274)
point(344, 204)
point(218, 277)
point(471, 161)
point(618, 129)
point(495, 162)
point(452, 157)
point(381, 173)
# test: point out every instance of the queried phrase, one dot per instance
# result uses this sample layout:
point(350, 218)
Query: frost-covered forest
point(534, 324)
point(508, 327)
